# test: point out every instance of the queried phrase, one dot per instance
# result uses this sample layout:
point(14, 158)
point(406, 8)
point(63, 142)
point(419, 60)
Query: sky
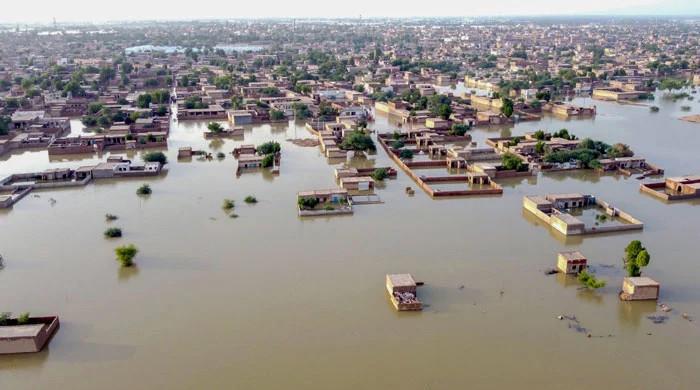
point(43, 11)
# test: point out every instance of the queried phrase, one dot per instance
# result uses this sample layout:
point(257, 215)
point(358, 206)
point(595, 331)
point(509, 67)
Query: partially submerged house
point(402, 292)
point(639, 288)
point(27, 337)
point(674, 188)
point(564, 213)
point(571, 262)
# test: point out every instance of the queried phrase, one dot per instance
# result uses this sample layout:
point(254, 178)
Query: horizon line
point(353, 18)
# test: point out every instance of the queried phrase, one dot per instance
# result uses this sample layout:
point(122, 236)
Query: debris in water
point(2, 262)
point(658, 319)
point(686, 317)
point(305, 142)
point(574, 324)
point(551, 271)
point(52, 201)
point(461, 287)
point(664, 307)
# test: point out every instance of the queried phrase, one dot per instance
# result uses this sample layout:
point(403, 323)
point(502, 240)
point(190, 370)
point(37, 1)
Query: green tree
point(380, 174)
point(459, 129)
point(144, 100)
point(405, 154)
point(357, 140)
point(159, 157)
point(215, 127)
point(276, 115)
point(510, 161)
point(507, 107)
point(540, 147)
point(271, 147)
point(636, 257)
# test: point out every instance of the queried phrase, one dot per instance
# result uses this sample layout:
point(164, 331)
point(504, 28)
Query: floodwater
point(271, 301)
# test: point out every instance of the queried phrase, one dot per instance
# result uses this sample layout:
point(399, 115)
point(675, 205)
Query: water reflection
point(126, 273)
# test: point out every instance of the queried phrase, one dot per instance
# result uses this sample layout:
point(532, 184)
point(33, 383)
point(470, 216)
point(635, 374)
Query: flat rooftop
point(642, 281)
point(401, 280)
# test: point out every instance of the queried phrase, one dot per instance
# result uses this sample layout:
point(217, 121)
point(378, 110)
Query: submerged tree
point(358, 140)
point(590, 281)
point(636, 257)
point(125, 254)
point(215, 127)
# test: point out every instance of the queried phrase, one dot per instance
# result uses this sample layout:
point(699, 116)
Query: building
point(614, 94)
point(556, 211)
point(402, 292)
point(571, 262)
point(674, 188)
point(29, 337)
point(357, 183)
point(639, 288)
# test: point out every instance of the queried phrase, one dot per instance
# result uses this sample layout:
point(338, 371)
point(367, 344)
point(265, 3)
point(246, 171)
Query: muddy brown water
point(271, 301)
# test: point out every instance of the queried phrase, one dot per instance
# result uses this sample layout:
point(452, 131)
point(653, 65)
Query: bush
point(113, 232)
point(512, 162)
point(110, 217)
point(398, 144)
point(23, 318)
point(276, 115)
point(159, 157)
point(228, 204)
point(215, 127)
point(269, 148)
point(268, 160)
point(459, 129)
point(250, 199)
point(4, 318)
point(405, 154)
point(145, 189)
point(125, 254)
point(380, 174)
point(590, 281)
point(307, 203)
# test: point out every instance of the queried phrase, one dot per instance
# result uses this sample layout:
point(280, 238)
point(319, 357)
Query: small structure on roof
point(27, 337)
point(571, 262)
point(402, 292)
point(639, 288)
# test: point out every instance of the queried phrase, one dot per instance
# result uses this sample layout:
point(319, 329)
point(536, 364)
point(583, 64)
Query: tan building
point(571, 262)
point(639, 288)
point(402, 292)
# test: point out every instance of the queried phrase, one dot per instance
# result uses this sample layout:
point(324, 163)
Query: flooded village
point(216, 204)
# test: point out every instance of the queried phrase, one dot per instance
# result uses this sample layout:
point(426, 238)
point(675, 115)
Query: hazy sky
point(91, 10)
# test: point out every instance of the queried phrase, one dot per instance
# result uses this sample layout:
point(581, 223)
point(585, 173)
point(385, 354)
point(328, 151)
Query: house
point(674, 188)
point(639, 288)
point(611, 164)
point(29, 337)
point(402, 292)
point(571, 262)
point(614, 94)
point(325, 196)
point(554, 209)
point(240, 117)
point(250, 161)
point(357, 183)
point(184, 152)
